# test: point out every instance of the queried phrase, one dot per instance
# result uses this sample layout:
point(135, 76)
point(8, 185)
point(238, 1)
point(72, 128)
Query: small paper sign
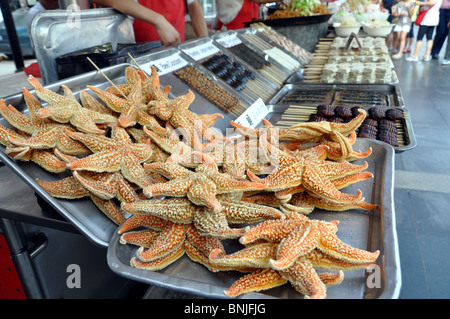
point(166, 64)
point(201, 51)
point(229, 41)
point(254, 114)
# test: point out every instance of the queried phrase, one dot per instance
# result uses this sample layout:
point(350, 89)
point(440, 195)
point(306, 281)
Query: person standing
point(446, 60)
point(442, 29)
point(426, 29)
point(402, 11)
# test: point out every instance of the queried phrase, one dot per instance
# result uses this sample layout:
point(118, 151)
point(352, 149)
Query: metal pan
point(366, 230)
point(82, 213)
point(392, 92)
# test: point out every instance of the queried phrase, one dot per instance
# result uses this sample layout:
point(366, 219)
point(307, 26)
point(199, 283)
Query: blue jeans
point(441, 31)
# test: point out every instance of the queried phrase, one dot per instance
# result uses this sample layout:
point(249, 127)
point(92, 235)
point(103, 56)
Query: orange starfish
point(45, 133)
point(131, 107)
point(114, 154)
point(200, 186)
point(65, 109)
point(314, 176)
point(70, 188)
point(207, 221)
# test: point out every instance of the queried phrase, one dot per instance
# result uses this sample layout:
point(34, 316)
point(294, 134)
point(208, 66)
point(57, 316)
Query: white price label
point(165, 65)
point(201, 51)
point(254, 114)
point(229, 41)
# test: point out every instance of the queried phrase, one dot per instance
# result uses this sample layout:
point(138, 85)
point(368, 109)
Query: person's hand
point(168, 34)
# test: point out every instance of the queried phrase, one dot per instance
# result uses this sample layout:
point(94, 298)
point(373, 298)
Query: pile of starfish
point(175, 185)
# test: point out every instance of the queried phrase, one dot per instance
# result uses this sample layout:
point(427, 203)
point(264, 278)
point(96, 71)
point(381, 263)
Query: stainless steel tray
point(190, 48)
point(201, 104)
point(57, 32)
point(366, 230)
point(406, 134)
point(393, 91)
point(82, 213)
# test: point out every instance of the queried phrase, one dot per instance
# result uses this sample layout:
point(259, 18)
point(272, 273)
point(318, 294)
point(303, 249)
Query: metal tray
point(206, 42)
point(201, 104)
point(392, 90)
point(57, 32)
point(366, 230)
point(407, 134)
point(82, 213)
point(294, 21)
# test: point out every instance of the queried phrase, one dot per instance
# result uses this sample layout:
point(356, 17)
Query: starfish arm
point(244, 212)
point(168, 240)
point(105, 188)
point(90, 102)
point(44, 139)
point(256, 256)
point(133, 171)
point(159, 263)
point(199, 257)
point(96, 143)
point(48, 161)
point(304, 278)
point(208, 120)
point(109, 208)
point(150, 121)
point(98, 117)
point(147, 221)
point(169, 170)
point(58, 113)
point(213, 223)
point(111, 100)
point(179, 210)
point(17, 119)
point(105, 161)
point(32, 102)
point(333, 246)
point(65, 188)
point(227, 184)
point(205, 244)
point(70, 146)
point(202, 192)
point(300, 241)
point(6, 134)
point(83, 121)
point(160, 110)
point(143, 238)
point(139, 152)
point(176, 188)
point(270, 230)
point(129, 116)
point(321, 186)
point(45, 94)
point(256, 281)
point(321, 260)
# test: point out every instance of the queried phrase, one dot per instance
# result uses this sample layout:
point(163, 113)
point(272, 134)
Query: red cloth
point(33, 69)
point(249, 11)
point(173, 10)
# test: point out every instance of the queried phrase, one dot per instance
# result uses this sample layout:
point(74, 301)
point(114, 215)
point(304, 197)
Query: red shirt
point(173, 10)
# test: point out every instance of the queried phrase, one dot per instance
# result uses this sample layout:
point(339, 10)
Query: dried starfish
point(314, 176)
point(207, 221)
point(44, 133)
point(70, 188)
point(114, 154)
point(43, 158)
point(201, 185)
point(131, 108)
point(65, 109)
point(303, 238)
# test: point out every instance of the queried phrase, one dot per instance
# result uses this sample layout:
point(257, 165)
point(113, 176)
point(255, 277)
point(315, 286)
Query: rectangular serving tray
point(365, 230)
point(392, 90)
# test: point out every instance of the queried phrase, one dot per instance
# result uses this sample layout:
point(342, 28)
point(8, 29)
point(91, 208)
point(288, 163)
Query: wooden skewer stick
point(104, 75)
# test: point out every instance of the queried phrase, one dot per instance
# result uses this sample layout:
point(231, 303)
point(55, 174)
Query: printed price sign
point(254, 114)
point(229, 41)
point(166, 64)
point(201, 51)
